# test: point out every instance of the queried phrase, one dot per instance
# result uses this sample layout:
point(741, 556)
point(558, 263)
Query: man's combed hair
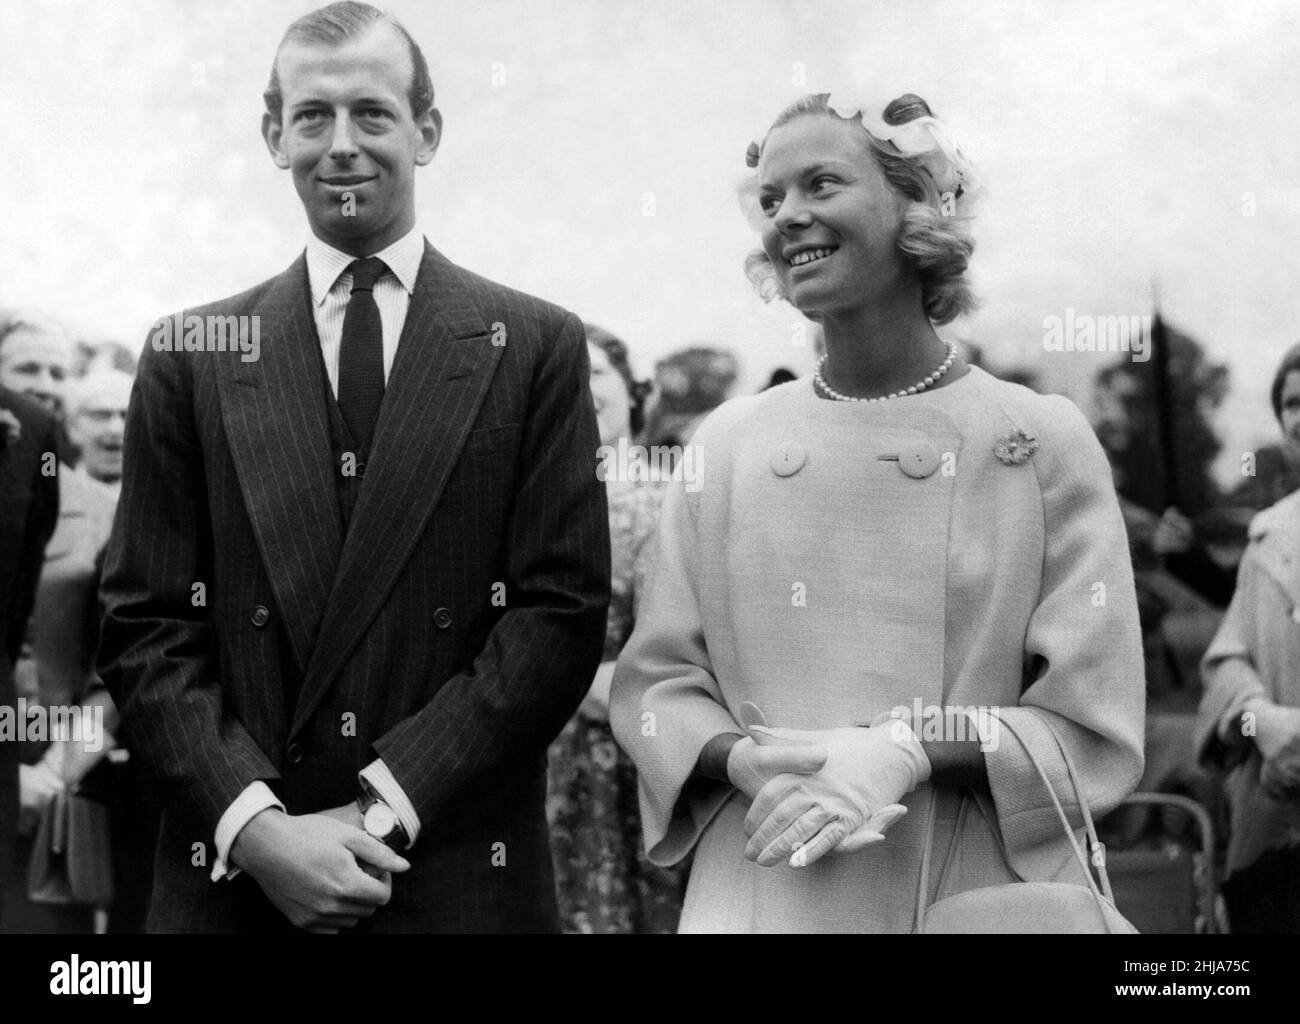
point(938, 246)
point(335, 25)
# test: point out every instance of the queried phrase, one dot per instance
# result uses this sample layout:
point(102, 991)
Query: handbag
point(1023, 908)
point(71, 861)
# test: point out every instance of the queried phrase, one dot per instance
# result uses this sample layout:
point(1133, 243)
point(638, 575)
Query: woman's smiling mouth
point(807, 256)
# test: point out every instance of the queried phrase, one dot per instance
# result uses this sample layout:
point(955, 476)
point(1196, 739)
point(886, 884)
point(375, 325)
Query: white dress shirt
point(331, 288)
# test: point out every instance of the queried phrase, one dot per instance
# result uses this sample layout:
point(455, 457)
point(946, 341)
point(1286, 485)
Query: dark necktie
point(361, 354)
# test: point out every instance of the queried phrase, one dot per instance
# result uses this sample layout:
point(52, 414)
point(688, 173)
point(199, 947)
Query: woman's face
point(1290, 405)
point(609, 392)
point(37, 363)
point(832, 220)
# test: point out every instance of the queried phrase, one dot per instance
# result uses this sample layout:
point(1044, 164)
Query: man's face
point(348, 136)
point(96, 425)
point(37, 363)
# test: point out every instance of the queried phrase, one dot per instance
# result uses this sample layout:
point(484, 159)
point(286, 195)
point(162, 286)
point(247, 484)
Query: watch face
point(380, 820)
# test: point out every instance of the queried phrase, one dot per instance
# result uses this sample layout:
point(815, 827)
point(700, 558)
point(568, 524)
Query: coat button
point(294, 753)
point(361, 470)
point(918, 459)
point(261, 616)
point(788, 459)
point(442, 618)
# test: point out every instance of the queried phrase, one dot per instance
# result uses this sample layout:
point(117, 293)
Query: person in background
point(29, 508)
point(96, 422)
point(689, 384)
point(104, 354)
point(1249, 720)
point(58, 669)
point(63, 635)
point(1277, 465)
point(1167, 541)
point(603, 881)
point(36, 358)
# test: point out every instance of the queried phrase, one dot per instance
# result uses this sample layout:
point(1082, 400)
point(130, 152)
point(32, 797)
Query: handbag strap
point(923, 887)
point(922, 895)
point(1091, 829)
point(1094, 842)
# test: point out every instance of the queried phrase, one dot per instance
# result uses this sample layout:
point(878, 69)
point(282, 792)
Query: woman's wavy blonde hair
point(937, 245)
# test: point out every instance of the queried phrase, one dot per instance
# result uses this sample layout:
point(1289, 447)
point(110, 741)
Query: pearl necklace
point(820, 379)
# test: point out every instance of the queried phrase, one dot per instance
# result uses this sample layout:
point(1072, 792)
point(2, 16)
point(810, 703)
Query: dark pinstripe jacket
point(480, 483)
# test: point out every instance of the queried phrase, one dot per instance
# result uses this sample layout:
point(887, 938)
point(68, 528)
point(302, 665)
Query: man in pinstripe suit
point(343, 643)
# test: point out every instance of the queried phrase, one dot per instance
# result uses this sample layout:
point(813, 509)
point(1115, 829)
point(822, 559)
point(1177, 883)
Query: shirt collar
point(325, 264)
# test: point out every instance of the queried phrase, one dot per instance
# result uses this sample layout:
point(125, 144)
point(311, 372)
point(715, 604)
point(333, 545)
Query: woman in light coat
point(883, 579)
point(1249, 720)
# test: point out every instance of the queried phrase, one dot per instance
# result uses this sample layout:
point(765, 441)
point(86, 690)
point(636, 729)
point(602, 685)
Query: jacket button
point(261, 616)
point(294, 754)
point(918, 459)
point(361, 470)
point(442, 618)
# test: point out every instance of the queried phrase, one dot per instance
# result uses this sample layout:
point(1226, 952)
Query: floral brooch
point(10, 429)
point(1015, 448)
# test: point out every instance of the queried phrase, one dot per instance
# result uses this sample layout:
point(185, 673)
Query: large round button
point(442, 618)
point(788, 459)
point(918, 459)
point(294, 753)
point(261, 616)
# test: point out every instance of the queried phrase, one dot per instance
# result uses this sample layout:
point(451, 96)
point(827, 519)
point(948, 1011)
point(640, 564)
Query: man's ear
point(430, 126)
point(273, 134)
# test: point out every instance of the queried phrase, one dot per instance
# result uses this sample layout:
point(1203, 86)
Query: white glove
point(751, 766)
point(867, 771)
point(38, 784)
point(1275, 726)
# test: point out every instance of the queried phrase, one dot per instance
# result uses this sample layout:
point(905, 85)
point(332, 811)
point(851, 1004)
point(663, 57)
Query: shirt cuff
point(255, 798)
point(380, 779)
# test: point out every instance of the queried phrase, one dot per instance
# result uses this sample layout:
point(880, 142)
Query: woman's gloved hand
point(751, 766)
point(1277, 735)
point(847, 804)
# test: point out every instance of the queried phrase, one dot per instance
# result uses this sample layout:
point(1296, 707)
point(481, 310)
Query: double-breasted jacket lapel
point(276, 427)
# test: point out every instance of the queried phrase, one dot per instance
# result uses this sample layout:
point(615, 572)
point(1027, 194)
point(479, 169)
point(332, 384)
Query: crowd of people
point(375, 647)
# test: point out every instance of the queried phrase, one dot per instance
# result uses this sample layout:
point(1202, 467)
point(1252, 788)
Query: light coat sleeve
point(1229, 673)
point(1083, 656)
point(665, 704)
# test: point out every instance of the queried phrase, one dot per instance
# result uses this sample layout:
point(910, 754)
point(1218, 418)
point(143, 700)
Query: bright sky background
point(1121, 141)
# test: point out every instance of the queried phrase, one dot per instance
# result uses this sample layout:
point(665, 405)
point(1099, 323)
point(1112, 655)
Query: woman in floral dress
point(604, 884)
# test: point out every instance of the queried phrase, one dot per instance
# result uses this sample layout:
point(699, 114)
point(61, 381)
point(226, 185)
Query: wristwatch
point(381, 821)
